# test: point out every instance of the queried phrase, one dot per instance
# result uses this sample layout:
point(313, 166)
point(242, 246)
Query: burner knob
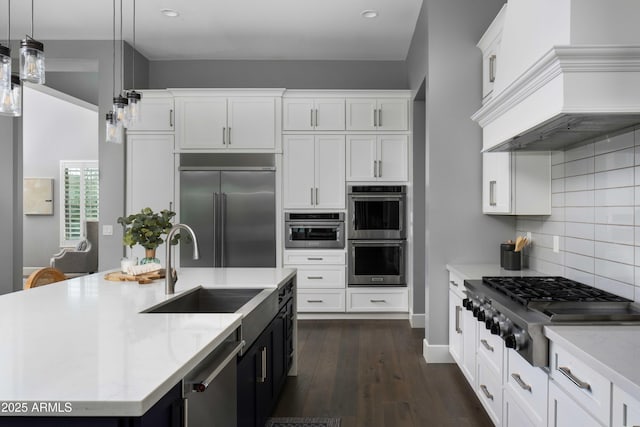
point(495, 328)
point(490, 323)
point(465, 302)
point(476, 311)
point(468, 304)
point(482, 315)
point(516, 340)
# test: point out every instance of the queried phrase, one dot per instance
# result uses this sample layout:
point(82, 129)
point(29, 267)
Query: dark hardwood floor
point(371, 373)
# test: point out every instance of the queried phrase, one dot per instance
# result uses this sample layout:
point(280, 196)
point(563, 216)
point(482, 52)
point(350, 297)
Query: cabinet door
point(329, 172)
point(625, 409)
point(247, 372)
point(251, 123)
point(329, 114)
point(455, 327)
point(201, 122)
point(298, 175)
point(297, 114)
point(514, 415)
point(393, 114)
point(279, 359)
point(496, 183)
point(360, 114)
point(150, 172)
point(361, 155)
point(565, 412)
point(393, 158)
point(469, 339)
point(156, 114)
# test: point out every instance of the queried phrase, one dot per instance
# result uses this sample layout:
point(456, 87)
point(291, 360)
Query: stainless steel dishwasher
point(209, 390)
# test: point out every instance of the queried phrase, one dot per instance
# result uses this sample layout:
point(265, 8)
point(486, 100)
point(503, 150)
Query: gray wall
point(283, 74)
point(81, 85)
point(457, 231)
point(11, 243)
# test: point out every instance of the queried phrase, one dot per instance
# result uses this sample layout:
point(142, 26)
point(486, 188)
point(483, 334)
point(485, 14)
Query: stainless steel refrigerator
point(233, 213)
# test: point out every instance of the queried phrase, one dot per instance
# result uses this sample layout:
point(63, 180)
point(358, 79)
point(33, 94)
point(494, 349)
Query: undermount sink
point(207, 300)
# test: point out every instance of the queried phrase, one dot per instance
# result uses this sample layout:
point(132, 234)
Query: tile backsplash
point(595, 214)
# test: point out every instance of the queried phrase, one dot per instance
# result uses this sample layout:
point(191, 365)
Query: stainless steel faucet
point(171, 277)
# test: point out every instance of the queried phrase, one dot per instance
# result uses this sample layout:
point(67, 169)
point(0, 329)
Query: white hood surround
point(568, 71)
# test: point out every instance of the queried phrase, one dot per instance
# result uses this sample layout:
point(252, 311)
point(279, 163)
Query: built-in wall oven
point(377, 212)
point(317, 230)
point(377, 233)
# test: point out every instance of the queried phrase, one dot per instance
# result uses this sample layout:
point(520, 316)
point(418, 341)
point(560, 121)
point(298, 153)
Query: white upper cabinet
point(377, 158)
point(212, 122)
point(157, 112)
point(309, 114)
point(489, 44)
point(377, 114)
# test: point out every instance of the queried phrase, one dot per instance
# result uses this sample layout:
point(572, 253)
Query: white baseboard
point(436, 353)
point(347, 316)
point(417, 320)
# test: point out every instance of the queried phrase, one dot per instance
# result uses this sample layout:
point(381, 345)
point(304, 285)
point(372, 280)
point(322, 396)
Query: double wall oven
point(377, 235)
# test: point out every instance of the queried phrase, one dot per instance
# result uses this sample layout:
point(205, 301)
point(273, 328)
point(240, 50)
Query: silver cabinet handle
point(314, 300)
point(453, 283)
point(311, 189)
point(314, 259)
point(315, 277)
point(492, 68)
point(311, 117)
point(229, 135)
point(220, 363)
point(492, 193)
point(316, 117)
point(375, 168)
point(377, 300)
point(486, 345)
point(185, 411)
point(379, 168)
point(263, 365)
point(171, 118)
point(379, 117)
point(224, 132)
point(520, 382)
point(486, 391)
point(567, 373)
point(375, 118)
point(316, 195)
point(458, 310)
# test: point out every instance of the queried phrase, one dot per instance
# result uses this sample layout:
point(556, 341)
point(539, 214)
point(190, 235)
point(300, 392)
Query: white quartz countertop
point(610, 350)
point(84, 341)
point(476, 271)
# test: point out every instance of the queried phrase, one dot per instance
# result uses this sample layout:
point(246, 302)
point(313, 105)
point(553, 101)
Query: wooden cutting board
point(143, 278)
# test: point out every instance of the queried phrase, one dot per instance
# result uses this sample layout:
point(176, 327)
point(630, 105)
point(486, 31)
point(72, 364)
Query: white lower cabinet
point(367, 299)
point(470, 342)
point(525, 386)
point(565, 412)
point(321, 300)
point(625, 409)
point(489, 388)
point(455, 325)
point(513, 414)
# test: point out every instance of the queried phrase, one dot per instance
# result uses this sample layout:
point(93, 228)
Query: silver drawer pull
point(453, 283)
point(378, 300)
point(521, 383)
point(486, 391)
point(577, 381)
point(458, 310)
point(315, 277)
point(314, 300)
point(486, 345)
point(314, 259)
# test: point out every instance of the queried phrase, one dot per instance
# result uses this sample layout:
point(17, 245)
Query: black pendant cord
point(133, 54)
point(9, 24)
point(32, 18)
point(114, 47)
point(121, 54)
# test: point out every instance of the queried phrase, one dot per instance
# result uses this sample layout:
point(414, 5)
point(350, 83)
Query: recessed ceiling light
point(170, 13)
point(369, 13)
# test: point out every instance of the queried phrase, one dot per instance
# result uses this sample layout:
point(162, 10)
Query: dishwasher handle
point(221, 360)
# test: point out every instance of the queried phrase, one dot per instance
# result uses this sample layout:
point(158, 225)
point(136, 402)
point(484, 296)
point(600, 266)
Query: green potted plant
point(146, 229)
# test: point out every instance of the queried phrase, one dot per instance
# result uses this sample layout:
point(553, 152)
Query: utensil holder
point(512, 260)
point(504, 248)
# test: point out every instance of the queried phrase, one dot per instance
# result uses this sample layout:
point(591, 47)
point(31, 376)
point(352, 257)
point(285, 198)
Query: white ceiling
point(230, 29)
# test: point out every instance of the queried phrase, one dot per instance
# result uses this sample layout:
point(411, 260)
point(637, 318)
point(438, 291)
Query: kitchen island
point(86, 348)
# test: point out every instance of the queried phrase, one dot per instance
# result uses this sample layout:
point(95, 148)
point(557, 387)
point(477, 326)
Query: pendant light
point(5, 54)
point(134, 97)
point(32, 57)
point(120, 103)
point(114, 130)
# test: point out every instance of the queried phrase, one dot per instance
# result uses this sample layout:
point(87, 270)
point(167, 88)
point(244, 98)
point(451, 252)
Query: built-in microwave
point(377, 211)
point(316, 230)
point(377, 263)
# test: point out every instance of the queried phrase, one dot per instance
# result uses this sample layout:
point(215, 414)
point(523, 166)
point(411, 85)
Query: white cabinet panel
point(329, 172)
point(489, 389)
point(384, 114)
point(529, 384)
point(201, 122)
point(156, 113)
point(297, 114)
point(321, 300)
point(252, 123)
point(565, 412)
point(361, 114)
point(393, 158)
point(303, 256)
point(362, 157)
point(469, 337)
point(306, 114)
point(455, 326)
point(329, 114)
point(625, 409)
point(377, 158)
point(332, 277)
point(298, 171)
point(377, 300)
point(514, 415)
point(393, 114)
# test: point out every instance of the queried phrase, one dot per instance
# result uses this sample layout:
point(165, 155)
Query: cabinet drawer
point(564, 411)
point(492, 346)
point(581, 382)
point(389, 300)
point(320, 300)
point(456, 285)
point(530, 384)
point(515, 415)
point(325, 278)
point(626, 409)
point(489, 389)
point(315, 257)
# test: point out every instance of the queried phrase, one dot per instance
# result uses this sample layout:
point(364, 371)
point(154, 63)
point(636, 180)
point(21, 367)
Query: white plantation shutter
point(80, 198)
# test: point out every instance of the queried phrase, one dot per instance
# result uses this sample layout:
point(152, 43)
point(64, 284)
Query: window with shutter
point(79, 190)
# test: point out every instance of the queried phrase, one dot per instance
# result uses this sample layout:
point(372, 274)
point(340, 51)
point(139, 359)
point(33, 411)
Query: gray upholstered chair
point(84, 257)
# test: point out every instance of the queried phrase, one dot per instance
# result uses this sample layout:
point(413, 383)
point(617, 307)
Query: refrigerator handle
point(215, 228)
point(223, 210)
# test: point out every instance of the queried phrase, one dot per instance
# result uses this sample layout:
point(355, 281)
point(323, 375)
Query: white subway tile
point(542, 240)
point(579, 230)
point(579, 198)
point(557, 185)
point(557, 171)
point(579, 262)
point(637, 172)
point(557, 200)
point(636, 215)
point(614, 233)
point(579, 246)
point(579, 276)
point(614, 252)
point(557, 157)
point(637, 238)
point(615, 160)
point(579, 167)
point(584, 214)
point(546, 267)
point(636, 196)
point(637, 280)
point(548, 255)
point(557, 214)
point(579, 183)
point(553, 228)
point(614, 270)
point(615, 178)
point(529, 225)
point(581, 152)
point(621, 215)
point(621, 289)
point(618, 142)
point(614, 197)
point(637, 257)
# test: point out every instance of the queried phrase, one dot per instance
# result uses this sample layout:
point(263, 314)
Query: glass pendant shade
point(11, 98)
point(5, 65)
point(32, 60)
point(121, 110)
point(135, 99)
